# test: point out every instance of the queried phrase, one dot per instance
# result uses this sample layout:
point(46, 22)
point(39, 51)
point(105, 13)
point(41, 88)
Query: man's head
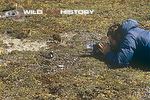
point(115, 34)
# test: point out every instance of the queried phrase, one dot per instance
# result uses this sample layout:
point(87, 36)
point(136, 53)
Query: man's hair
point(115, 31)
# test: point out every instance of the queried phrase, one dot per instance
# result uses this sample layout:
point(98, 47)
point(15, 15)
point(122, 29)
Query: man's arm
point(125, 54)
point(121, 58)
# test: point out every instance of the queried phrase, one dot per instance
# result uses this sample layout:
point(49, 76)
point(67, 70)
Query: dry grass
point(23, 75)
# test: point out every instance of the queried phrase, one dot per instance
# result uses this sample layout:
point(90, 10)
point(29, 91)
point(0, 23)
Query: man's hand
point(104, 48)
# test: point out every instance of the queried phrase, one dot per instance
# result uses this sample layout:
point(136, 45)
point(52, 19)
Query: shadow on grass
point(145, 68)
point(141, 66)
point(136, 65)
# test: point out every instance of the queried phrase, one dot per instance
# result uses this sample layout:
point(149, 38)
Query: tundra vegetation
point(40, 55)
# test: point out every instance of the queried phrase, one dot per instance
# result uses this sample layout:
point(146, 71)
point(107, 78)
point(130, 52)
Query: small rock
point(48, 55)
point(61, 66)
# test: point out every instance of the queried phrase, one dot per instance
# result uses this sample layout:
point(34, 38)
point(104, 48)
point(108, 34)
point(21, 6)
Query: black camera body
point(96, 49)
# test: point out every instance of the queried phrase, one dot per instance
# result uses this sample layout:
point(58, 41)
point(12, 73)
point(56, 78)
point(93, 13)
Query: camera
point(92, 48)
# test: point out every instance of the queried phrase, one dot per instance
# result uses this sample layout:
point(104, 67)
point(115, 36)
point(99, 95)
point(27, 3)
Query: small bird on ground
point(57, 37)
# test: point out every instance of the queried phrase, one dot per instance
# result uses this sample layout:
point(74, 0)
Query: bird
point(57, 37)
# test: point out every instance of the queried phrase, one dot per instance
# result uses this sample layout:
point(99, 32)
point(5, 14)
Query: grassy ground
point(26, 75)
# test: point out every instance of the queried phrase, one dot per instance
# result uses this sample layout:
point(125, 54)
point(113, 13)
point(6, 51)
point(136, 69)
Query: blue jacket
point(134, 45)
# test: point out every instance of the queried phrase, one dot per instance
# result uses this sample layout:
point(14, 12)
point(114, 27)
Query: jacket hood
point(129, 24)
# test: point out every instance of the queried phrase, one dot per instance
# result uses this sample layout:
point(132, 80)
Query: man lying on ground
point(131, 43)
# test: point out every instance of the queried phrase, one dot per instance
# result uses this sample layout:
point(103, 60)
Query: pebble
point(61, 66)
